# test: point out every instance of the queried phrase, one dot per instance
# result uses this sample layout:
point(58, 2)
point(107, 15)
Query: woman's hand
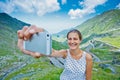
point(25, 34)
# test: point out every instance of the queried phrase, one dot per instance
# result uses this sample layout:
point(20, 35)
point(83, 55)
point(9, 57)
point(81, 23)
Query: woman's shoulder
point(64, 52)
point(88, 56)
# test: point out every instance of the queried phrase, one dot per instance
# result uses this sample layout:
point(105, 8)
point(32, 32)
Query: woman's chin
point(73, 48)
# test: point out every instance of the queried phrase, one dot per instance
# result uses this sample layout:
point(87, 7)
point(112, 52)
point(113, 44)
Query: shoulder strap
point(84, 54)
point(68, 52)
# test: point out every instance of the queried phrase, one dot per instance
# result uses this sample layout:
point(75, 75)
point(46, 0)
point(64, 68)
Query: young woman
point(78, 63)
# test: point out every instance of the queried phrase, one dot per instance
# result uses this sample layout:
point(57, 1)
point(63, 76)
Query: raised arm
point(59, 53)
point(26, 33)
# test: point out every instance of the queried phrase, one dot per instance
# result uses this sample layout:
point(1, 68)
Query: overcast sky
point(56, 15)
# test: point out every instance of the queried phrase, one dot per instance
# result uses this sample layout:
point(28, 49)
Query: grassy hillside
point(15, 65)
point(8, 39)
point(106, 21)
point(57, 45)
point(113, 39)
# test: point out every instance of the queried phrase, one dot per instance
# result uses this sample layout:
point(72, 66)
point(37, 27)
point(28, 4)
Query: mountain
point(15, 65)
point(60, 36)
point(8, 28)
point(9, 54)
point(106, 21)
point(103, 25)
point(8, 21)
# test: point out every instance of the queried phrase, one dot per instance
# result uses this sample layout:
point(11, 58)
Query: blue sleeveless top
point(74, 69)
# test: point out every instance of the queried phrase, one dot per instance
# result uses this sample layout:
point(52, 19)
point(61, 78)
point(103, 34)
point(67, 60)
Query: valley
point(100, 39)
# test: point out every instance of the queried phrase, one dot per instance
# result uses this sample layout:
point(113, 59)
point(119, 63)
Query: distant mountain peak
point(4, 14)
point(8, 21)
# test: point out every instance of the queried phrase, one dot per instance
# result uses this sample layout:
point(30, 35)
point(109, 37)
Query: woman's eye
point(75, 38)
point(69, 38)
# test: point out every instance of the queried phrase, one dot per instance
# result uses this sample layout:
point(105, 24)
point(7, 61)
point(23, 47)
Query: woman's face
point(73, 40)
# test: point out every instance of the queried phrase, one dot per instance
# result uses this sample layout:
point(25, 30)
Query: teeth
point(72, 44)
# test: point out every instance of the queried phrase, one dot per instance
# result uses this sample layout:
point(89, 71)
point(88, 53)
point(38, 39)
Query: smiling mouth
point(73, 45)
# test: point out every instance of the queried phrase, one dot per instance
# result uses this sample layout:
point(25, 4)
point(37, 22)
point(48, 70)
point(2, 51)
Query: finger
point(24, 28)
point(35, 29)
point(20, 44)
point(27, 34)
point(38, 29)
point(31, 30)
point(21, 32)
point(34, 54)
point(37, 55)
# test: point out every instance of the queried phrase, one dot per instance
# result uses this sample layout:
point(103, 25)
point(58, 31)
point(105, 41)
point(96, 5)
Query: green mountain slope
point(104, 25)
point(8, 21)
point(107, 21)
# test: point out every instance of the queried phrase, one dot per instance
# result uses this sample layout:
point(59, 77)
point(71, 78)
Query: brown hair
point(75, 31)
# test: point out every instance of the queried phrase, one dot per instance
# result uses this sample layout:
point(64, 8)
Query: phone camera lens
point(47, 35)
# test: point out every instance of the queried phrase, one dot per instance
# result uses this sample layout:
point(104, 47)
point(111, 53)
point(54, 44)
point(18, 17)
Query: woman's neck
point(76, 54)
point(76, 51)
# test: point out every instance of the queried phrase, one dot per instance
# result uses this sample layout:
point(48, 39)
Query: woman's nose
point(72, 41)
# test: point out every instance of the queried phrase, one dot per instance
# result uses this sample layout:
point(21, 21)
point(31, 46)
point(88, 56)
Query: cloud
point(64, 1)
point(40, 7)
point(118, 6)
point(24, 5)
point(88, 7)
point(7, 7)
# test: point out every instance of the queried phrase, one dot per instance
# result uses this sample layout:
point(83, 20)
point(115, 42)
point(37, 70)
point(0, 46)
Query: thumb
point(37, 55)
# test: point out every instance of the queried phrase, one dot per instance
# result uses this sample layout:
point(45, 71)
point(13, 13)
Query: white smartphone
point(40, 42)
